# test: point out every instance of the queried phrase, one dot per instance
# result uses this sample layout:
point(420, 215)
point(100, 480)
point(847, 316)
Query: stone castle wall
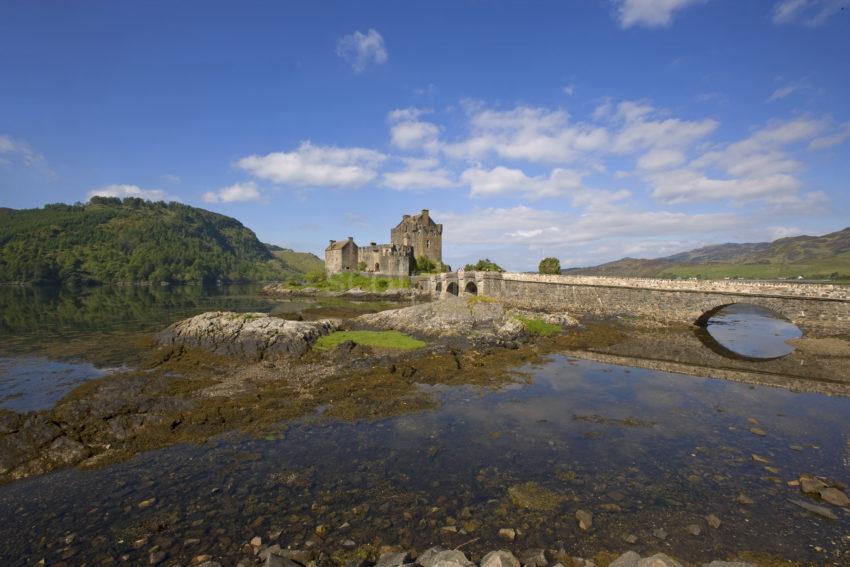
point(422, 234)
point(387, 259)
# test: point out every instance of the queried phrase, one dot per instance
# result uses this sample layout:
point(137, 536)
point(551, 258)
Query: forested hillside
point(109, 240)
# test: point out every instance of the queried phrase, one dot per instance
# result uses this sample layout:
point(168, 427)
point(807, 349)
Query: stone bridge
point(821, 309)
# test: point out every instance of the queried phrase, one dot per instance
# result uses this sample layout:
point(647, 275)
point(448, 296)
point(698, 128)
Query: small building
point(341, 256)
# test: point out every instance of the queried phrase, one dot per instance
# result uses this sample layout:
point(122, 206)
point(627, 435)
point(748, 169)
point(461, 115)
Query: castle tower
point(422, 233)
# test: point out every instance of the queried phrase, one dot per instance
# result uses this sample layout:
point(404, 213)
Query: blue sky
point(585, 130)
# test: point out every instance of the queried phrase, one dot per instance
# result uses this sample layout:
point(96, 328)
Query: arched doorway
point(452, 288)
point(471, 288)
point(377, 267)
point(439, 287)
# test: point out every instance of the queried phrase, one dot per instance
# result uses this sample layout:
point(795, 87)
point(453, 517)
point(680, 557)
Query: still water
point(752, 331)
point(649, 453)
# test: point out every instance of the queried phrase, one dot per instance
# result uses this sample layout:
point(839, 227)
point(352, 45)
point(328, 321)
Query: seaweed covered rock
point(250, 336)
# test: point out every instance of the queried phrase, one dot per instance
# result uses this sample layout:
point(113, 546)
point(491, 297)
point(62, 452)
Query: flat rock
point(449, 558)
point(628, 559)
point(393, 559)
point(500, 558)
point(250, 336)
point(448, 317)
point(815, 509)
point(426, 558)
point(834, 496)
point(533, 558)
point(659, 560)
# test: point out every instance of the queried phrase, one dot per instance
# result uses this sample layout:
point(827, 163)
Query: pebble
point(256, 541)
point(834, 496)
point(507, 534)
point(693, 529)
point(744, 500)
point(758, 431)
point(713, 521)
point(500, 558)
point(584, 519)
point(146, 503)
point(156, 557)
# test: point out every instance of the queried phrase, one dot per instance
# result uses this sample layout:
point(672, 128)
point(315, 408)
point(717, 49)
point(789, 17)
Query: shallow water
point(643, 450)
point(53, 339)
point(752, 331)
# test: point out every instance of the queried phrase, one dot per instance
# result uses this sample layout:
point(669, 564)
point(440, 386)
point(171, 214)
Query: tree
point(549, 266)
point(425, 265)
point(485, 265)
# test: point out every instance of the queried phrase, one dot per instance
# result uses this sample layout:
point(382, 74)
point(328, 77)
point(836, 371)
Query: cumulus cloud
point(361, 50)
point(419, 174)
point(408, 132)
point(527, 133)
point(314, 166)
point(122, 190)
point(759, 167)
point(650, 13)
point(246, 191)
point(502, 180)
point(810, 13)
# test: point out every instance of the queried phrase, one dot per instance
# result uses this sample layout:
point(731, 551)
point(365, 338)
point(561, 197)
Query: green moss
point(379, 339)
point(540, 327)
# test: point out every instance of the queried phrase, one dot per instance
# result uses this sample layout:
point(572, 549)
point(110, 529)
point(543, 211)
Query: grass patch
point(379, 339)
point(540, 327)
point(473, 299)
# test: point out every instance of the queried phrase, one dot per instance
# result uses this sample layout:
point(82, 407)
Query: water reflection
point(749, 332)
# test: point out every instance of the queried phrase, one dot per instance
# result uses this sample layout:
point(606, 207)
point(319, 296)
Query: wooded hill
point(109, 240)
point(824, 257)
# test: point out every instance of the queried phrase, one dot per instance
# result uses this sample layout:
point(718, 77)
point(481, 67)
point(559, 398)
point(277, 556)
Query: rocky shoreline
point(220, 371)
point(275, 556)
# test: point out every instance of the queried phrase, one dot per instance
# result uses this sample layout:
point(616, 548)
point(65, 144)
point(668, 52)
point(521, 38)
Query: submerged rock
point(251, 336)
point(628, 559)
point(659, 560)
point(815, 509)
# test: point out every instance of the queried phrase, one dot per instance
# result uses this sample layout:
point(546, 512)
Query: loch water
point(649, 453)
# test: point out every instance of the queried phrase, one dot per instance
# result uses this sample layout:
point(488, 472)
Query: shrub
point(549, 266)
point(485, 265)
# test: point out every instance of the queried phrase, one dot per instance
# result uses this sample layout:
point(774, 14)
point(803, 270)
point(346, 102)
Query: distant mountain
point(109, 240)
point(812, 257)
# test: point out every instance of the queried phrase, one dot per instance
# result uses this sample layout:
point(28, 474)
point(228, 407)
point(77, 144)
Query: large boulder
point(251, 336)
point(456, 317)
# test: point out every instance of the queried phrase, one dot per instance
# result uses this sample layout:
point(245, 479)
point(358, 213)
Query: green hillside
point(109, 240)
point(302, 262)
point(824, 257)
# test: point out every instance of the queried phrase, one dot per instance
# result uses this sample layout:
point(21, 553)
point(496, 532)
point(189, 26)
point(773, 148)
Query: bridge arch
point(452, 288)
point(776, 309)
point(471, 288)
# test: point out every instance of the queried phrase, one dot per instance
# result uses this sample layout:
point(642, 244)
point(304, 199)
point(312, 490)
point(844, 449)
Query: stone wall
point(387, 259)
point(818, 309)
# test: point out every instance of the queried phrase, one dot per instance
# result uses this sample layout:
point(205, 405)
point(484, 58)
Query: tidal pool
point(648, 453)
point(752, 331)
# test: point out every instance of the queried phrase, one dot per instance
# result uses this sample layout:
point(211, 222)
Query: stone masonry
point(820, 309)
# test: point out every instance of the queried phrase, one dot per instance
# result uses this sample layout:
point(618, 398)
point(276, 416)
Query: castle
point(415, 236)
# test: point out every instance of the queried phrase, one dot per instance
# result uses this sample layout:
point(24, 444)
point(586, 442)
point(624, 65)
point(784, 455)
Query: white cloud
point(649, 13)
point(521, 235)
point(246, 191)
point(409, 133)
point(17, 151)
point(836, 138)
point(121, 191)
point(507, 181)
point(312, 166)
point(811, 13)
point(527, 133)
point(171, 178)
point(661, 158)
point(419, 174)
point(759, 167)
point(569, 90)
point(784, 91)
point(360, 50)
